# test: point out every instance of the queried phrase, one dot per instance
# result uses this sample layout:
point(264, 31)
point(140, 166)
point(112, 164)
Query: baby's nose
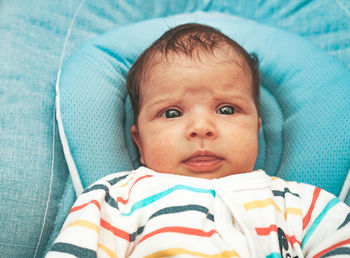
point(202, 127)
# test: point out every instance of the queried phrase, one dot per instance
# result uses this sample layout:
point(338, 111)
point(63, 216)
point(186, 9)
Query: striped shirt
point(143, 213)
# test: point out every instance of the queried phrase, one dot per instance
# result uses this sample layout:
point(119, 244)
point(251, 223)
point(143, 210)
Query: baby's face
point(198, 118)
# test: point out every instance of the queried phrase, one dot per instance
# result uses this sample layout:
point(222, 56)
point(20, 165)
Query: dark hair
point(187, 39)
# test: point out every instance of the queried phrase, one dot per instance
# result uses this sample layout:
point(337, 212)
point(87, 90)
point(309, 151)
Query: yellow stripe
point(269, 201)
point(127, 182)
point(261, 204)
point(85, 224)
point(179, 251)
point(294, 211)
point(108, 251)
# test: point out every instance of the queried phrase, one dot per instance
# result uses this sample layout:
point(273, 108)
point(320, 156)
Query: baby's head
point(195, 95)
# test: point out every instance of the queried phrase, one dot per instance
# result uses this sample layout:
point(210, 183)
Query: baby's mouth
point(203, 161)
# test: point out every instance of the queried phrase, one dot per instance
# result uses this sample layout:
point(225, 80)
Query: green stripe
point(73, 250)
point(338, 251)
point(108, 198)
point(177, 209)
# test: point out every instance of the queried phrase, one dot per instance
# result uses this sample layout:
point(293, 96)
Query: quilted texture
point(38, 36)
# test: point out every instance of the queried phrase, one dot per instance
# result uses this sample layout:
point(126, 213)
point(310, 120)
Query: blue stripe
point(283, 193)
point(111, 201)
point(346, 221)
point(73, 250)
point(139, 231)
point(158, 196)
point(318, 220)
point(171, 210)
point(338, 251)
point(117, 179)
point(274, 255)
point(108, 198)
point(178, 209)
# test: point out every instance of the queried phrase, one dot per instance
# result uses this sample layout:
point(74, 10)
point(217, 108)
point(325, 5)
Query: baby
point(195, 94)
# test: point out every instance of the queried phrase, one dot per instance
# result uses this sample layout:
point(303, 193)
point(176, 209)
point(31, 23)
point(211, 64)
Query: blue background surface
point(33, 171)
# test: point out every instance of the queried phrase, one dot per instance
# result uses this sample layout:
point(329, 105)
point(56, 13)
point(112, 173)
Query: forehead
point(224, 53)
point(219, 71)
point(158, 60)
point(159, 63)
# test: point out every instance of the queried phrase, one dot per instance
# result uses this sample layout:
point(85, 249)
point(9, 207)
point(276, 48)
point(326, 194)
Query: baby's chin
point(205, 174)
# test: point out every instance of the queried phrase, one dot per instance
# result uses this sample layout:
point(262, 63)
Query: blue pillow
point(305, 102)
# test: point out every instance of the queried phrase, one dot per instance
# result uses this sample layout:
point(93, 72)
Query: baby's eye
point(226, 110)
point(172, 113)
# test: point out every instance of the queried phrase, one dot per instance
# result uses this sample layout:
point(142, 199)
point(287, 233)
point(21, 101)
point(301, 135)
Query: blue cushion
point(33, 173)
point(304, 96)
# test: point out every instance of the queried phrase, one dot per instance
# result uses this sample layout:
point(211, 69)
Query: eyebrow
point(220, 98)
point(166, 102)
point(233, 97)
point(161, 100)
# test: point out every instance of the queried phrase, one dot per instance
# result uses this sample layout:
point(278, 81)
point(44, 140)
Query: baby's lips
point(203, 161)
point(203, 156)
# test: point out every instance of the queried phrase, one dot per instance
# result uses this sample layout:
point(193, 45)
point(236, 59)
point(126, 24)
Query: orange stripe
point(85, 224)
point(261, 204)
point(127, 182)
point(273, 228)
point(295, 211)
point(181, 230)
point(116, 231)
point(121, 200)
point(293, 240)
point(171, 252)
point(108, 251)
point(86, 204)
point(307, 217)
point(266, 231)
point(347, 241)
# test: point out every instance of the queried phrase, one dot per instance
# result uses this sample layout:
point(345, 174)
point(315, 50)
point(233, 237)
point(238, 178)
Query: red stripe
point(273, 228)
point(121, 200)
point(116, 231)
point(293, 240)
point(181, 230)
point(347, 241)
point(86, 204)
point(266, 231)
point(307, 217)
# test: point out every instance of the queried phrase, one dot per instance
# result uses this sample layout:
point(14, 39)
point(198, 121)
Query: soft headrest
point(304, 102)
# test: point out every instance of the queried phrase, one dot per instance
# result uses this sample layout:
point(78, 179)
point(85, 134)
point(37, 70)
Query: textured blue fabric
point(33, 174)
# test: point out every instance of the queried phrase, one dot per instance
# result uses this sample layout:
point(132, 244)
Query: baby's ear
point(137, 139)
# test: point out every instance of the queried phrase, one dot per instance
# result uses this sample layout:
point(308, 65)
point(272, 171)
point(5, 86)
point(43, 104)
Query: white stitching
point(51, 179)
point(346, 188)
point(78, 187)
point(343, 7)
point(54, 123)
point(72, 169)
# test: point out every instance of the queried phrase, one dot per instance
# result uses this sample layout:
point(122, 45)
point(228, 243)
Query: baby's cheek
point(157, 149)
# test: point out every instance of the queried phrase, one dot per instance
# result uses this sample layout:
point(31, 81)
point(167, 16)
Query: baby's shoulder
point(103, 186)
point(294, 188)
point(306, 194)
point(119, 183)
point(109, 181)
